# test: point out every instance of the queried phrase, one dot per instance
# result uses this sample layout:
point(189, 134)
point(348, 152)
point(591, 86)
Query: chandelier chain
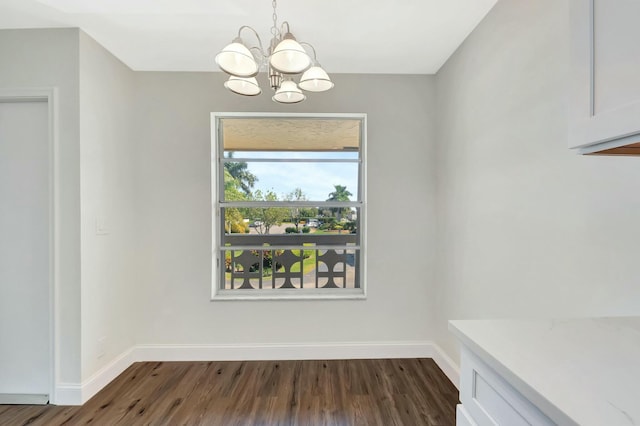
point(274, 29)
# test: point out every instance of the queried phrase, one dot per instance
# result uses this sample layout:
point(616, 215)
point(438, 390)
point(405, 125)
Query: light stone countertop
point(577, 371)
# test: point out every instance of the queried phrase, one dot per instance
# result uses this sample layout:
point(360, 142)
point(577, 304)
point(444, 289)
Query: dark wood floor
point(353, 392)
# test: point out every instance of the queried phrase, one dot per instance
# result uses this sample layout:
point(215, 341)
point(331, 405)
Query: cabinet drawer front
point(491, 401)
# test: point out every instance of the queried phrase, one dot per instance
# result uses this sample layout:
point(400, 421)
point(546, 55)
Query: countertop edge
point(536, 398)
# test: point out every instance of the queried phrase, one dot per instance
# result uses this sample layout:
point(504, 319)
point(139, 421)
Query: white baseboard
point(67, 394)
point(105, 375)
point(447, 365)
point(284, 351)
point(73, 394)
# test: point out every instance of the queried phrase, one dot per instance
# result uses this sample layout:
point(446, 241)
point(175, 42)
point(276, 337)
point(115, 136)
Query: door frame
point(50, 96)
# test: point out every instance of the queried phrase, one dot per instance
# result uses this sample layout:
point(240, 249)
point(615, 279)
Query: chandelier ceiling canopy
point(284, 59)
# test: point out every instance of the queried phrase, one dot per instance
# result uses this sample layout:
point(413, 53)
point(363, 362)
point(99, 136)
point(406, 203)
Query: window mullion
point(288, 204)
point(290, 160)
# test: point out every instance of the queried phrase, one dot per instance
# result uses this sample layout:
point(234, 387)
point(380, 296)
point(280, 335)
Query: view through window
point(289, 205)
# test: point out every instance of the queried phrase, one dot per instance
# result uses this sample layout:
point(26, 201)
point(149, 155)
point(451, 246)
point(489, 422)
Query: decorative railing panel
point(331, 269)
point(294, 261)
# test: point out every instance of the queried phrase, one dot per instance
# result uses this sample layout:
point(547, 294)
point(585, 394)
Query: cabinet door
point(605, 73)
point(489, 400)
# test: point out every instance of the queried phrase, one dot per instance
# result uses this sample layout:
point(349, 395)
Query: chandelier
point(284, 59)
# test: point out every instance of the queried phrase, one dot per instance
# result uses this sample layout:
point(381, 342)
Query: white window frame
point(218, 294)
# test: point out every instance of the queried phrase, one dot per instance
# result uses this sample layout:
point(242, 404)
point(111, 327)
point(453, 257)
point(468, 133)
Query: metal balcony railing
point(294, 261)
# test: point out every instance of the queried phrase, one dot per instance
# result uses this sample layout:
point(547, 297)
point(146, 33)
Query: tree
point(233, 217)
point(297, 213)
point(339, 194)
point(240, 172)
point(269, 216)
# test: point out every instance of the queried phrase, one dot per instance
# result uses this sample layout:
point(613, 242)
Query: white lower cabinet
point(463, 418)
point(489, 400)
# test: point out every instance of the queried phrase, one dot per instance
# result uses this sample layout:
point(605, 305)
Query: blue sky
point(315, 179)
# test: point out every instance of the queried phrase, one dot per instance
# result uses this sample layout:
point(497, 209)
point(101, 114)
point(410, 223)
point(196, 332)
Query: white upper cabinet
point(605, 74)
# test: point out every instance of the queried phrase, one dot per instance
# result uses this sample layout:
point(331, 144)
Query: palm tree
point(340, 194)
point(239, 171)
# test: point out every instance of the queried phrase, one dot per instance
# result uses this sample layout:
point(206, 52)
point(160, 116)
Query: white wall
point(525, 227)
point(49, 58)
point(174, 207)
point(107, 161)
point(97, 292)
point(148, 280)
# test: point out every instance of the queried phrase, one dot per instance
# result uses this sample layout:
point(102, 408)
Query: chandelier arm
point(282, 27)
point(313, 49)
point(260, 47)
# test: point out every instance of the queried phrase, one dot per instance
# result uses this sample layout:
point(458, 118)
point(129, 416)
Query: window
point(288, 205)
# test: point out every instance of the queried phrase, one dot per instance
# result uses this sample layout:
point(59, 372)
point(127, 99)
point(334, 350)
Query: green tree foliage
point(238, 181)
point(240, 172)
point(233, 217)
point(351, 226)
point(299, 213)
point(269, 216)
point(339, 194)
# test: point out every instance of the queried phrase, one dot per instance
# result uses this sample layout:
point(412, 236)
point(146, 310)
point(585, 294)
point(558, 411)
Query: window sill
point(289, 294)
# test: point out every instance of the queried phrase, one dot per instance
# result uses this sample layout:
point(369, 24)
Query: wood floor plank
point(338, 392)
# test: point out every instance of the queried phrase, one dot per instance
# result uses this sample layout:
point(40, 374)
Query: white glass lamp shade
point(243, 86)
point(315, 79)
point(236, 59)
point(288, 93)
point(289, 57)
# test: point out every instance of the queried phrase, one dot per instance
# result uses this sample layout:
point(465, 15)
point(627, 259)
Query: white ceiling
point(350, 36)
